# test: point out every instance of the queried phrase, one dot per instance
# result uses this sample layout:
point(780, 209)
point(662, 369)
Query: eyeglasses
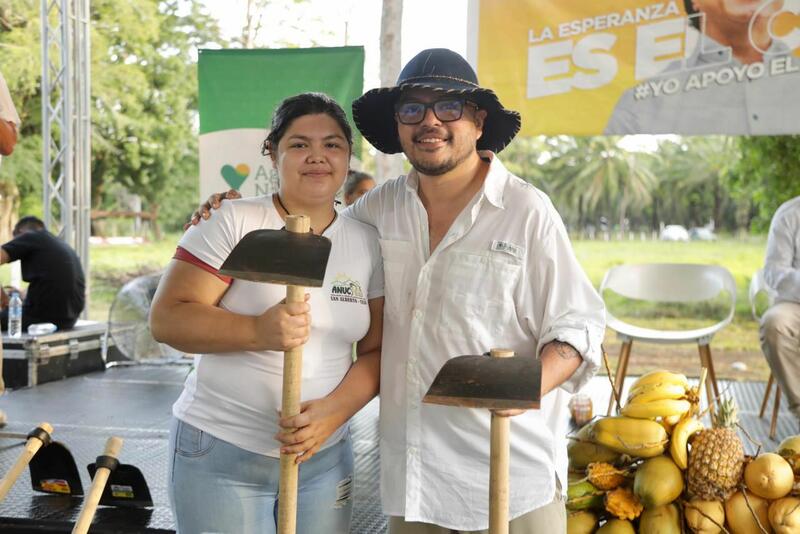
point(446, 110)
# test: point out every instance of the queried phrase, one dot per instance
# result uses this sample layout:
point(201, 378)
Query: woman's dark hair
point(298, 106)
point(353, 179)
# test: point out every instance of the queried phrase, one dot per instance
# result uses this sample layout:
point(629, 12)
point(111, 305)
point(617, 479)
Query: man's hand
point(284, 326)
point(213, 202)
point(307, 431)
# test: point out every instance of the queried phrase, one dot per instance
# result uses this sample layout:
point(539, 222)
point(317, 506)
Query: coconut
point(583, 495)
point(658, 481)
point(784, 515)
point(661, 520)
point(582, 522)
point(739, 518)
point(790, 450)
point(769, 476)
point(705, 517)
point(617, 526)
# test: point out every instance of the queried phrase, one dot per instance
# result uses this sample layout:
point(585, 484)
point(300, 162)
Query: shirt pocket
point(396, 257)
point(479, 295)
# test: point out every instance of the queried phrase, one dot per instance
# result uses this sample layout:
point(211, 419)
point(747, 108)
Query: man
point(780, 325)
point(56, 287)
point(9, 120)
point(474, 258)
point(735, 36)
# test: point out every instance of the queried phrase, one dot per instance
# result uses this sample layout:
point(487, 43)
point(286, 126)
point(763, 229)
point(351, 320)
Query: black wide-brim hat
point(444, 71)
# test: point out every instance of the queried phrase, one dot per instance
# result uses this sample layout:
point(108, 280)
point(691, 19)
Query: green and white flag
point(239, 90)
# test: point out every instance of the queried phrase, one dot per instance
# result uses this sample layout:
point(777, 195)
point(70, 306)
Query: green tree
point(144, 100)
point(768, 173)
point(594, 173)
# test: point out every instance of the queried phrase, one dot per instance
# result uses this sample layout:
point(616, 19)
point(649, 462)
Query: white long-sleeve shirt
point(504, 276)
point(782, 262)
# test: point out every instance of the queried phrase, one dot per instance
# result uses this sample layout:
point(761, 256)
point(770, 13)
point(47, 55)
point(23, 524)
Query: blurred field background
point(113, 265)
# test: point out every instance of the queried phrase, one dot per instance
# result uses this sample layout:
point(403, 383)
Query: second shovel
point(296, 258)
point(499, 382)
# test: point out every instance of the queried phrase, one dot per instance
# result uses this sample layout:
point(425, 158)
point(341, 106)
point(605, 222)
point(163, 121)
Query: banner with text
point(639, 66)
point(239, 90)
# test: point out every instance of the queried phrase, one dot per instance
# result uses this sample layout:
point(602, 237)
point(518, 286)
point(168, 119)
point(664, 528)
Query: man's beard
point(437, 168)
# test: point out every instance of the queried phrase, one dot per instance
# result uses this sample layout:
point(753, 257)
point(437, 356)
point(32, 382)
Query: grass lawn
point(113, 265)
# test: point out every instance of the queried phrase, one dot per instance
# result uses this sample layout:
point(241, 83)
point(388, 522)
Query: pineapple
point(623, 504)
point(605, 476)
point(716, 459)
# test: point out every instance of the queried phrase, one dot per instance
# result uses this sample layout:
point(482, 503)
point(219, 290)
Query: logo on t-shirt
point(344, 289)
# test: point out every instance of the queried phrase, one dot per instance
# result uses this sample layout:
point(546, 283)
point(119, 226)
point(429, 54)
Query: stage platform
point(134, 402)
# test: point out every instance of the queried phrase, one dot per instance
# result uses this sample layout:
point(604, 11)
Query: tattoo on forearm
point(565, 350)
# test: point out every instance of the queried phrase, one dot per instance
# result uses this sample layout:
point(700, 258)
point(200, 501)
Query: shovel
point(106, 464)
point(36, 439)
point(499, 382)
point(296, 258)
point(52, 468)
point(126, 487)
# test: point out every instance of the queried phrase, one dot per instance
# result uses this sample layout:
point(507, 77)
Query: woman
point(356, 185)
point(227, 435)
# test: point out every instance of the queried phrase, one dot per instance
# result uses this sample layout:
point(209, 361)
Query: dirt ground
point(685, 359)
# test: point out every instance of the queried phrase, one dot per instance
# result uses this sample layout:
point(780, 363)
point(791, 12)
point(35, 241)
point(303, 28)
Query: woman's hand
point(307, 431)
point(284, 326)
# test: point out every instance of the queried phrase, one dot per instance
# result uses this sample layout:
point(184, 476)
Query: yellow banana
point(680, 438)
point(653, 392)
point(658, 408)
point(634, 437)
point(660, 376)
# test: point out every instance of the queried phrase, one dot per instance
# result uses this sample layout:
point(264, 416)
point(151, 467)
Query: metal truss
point(66, 122)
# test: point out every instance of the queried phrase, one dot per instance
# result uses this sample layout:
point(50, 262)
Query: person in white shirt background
point(9, 126)
point(226, 436)
point(474, 258)
point(780, 326)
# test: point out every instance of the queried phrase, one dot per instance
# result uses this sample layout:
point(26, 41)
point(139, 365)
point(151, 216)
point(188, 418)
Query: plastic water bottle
point(15, 315)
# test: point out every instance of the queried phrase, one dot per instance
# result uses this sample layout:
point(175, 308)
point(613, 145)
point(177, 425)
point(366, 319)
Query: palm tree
point(594, 171)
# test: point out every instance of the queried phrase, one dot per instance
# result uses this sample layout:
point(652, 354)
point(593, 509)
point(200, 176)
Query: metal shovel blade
point(485, 382)
point(126, 487)
point(53, 470)
point(279, 257)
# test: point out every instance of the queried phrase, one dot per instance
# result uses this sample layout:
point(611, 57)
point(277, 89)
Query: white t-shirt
point(236, 396)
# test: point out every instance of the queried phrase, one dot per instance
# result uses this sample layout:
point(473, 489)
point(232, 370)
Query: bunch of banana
point(660, 394)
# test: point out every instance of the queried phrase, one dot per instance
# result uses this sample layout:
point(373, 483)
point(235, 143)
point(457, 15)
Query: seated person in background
point(56, 287)
point(356, 184)
point(780, 325)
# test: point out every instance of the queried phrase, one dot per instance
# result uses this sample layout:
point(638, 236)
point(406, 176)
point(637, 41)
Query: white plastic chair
point(668, 282)
point(758, 285)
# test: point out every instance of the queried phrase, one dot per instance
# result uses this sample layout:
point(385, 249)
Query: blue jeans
point(217, 487)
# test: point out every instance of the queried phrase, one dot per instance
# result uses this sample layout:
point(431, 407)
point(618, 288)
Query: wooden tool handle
point(290, 402)
point(499, 453)
point(113, 446)
point(32, 446)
